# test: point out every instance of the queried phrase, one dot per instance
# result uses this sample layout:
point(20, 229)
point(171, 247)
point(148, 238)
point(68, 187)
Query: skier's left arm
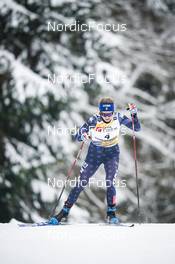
point(124, 120)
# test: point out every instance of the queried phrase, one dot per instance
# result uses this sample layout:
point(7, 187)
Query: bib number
point(107, 136)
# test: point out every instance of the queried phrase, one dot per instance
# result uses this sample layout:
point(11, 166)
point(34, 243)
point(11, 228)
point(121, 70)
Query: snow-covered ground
point(87, 243)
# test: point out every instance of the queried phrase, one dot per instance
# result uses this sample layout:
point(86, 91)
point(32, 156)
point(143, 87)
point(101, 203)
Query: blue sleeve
point(91, 122)
point(124, 120)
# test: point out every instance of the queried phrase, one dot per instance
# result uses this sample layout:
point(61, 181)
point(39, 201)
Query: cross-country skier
point(103, 131)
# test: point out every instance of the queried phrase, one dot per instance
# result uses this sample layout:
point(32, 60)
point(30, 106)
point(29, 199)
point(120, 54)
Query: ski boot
point(111, 215)
point(63, 214)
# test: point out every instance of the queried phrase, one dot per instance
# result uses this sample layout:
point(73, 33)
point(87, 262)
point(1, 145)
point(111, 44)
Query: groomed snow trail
point(87, 244)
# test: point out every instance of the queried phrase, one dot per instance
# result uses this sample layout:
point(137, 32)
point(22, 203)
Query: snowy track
point(87, 243)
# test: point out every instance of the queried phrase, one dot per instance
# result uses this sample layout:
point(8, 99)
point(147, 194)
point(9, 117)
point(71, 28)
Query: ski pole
point(67, 177)
point(135, 161)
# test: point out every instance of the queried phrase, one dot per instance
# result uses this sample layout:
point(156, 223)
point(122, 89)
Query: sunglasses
point(106, 114)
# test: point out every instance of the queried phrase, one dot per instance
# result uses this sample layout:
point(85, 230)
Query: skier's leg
point(89, 167)
point(111, 168)
point(87, 170)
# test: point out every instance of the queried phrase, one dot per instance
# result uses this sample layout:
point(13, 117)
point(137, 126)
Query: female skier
point(103, 131)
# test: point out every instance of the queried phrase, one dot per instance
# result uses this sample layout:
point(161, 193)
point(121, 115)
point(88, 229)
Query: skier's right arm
point(82, 134)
